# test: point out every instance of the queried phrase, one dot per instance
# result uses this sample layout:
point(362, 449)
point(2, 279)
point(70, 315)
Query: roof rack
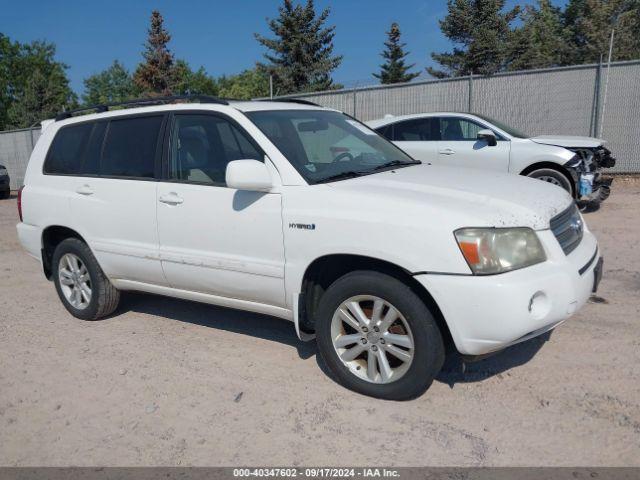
point(290, 100)
point(142, 102)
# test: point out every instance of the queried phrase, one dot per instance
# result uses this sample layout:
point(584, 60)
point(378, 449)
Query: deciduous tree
point(33, 84)
point(114, 84)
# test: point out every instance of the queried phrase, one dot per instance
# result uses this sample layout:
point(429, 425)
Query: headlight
point(498, 250)
point(3, 172)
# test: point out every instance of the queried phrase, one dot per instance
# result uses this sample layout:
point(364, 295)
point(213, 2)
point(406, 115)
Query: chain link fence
point(557, 101)
point(15, 149)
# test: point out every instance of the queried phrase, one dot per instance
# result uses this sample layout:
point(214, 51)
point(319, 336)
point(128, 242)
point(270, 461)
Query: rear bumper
point(489, 313)
point(30, 239)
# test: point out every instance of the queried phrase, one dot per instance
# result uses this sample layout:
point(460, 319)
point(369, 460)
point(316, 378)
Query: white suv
point(476, 141)
point(303, 213)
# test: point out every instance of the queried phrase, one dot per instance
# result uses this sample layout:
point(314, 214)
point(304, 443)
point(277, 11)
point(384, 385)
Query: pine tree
point(114, 84)
point(300, 57)
point(541, 41)
point(482, 30)
point(590, 23)
point(155, 76)
point(394, 69)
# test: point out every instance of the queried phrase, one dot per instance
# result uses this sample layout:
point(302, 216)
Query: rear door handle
point(447, 151)
point(171, 199)
point(84, 190)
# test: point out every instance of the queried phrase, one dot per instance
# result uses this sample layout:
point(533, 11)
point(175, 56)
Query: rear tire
point(5, 195)
point(552, 176)
point(414, 336)
point(81, 284)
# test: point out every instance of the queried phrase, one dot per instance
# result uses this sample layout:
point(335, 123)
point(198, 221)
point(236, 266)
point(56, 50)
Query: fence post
point(354, 102)
point(595, 121)
point(470, 106)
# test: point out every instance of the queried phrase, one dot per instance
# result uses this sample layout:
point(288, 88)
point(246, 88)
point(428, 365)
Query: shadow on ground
point(455, 369)
point(236, 321)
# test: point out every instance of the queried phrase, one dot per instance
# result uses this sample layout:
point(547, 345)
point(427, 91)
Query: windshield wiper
point(342, 176)
point(394, 163)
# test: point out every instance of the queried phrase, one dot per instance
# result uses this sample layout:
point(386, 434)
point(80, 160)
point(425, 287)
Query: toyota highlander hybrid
point(303, 213)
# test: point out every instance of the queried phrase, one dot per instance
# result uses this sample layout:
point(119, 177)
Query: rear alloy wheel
point(75, 281)
point(553, 177)
point(378, 337)
point(82, 286)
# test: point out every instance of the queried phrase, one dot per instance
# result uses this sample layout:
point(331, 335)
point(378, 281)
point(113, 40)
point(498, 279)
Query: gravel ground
point(169, 382)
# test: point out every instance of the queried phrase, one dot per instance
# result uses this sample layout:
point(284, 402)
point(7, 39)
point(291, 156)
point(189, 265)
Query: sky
point(216, 34)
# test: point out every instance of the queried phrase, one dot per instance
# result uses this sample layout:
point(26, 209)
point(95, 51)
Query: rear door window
point(130, 147)
point(417, 130)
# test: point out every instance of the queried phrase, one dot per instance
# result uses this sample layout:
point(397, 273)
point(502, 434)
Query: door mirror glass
point(488, 136)
point(250, 175)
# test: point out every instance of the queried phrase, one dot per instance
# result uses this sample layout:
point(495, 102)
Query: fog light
point(539, 305)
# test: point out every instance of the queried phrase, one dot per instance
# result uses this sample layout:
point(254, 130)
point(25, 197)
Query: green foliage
point(300, 57)
point(541, 41)
point(154, 76)
point(481, 29)
point(246, 85)
point(188, 82)
point(33, 84)
point(114, 84)
point(590, 22)
point(394, 69)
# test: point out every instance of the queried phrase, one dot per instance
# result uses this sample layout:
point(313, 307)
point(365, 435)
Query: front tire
point(377, 336)
point(81, 284)
point(553, 177)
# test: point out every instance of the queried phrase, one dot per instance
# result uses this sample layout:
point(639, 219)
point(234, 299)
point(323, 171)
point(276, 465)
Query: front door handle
point(447, 151)
point(171, 199)
point(84, 190)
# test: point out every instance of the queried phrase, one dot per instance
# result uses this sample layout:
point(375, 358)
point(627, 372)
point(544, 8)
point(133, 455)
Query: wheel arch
point(553, 166)
point(51, 238)
point(325, 270)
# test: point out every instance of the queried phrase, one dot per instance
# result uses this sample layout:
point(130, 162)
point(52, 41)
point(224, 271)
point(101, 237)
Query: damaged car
point(476, 141)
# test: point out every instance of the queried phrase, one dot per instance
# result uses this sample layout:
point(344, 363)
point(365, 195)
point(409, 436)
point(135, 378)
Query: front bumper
point(489, 313)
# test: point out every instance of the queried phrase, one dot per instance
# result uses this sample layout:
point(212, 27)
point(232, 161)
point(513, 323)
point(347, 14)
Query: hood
point(568, 141)
point(461, 197)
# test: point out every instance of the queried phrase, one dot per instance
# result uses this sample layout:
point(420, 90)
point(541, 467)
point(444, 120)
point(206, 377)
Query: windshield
point(325, 146)
point(505, 128)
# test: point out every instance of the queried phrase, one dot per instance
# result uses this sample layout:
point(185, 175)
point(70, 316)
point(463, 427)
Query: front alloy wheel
point(372, 339)
point(377, 336)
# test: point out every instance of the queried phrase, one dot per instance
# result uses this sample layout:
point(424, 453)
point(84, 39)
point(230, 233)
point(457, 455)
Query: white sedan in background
point(476, 141)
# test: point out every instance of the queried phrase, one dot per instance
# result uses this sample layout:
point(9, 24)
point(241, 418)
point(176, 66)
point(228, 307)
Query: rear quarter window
point(67, 150)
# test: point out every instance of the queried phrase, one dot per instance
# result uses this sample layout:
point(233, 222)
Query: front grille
point(567, 227)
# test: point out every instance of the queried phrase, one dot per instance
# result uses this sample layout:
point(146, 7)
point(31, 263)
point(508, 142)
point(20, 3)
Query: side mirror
point(251, 175)
point(489, 136)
